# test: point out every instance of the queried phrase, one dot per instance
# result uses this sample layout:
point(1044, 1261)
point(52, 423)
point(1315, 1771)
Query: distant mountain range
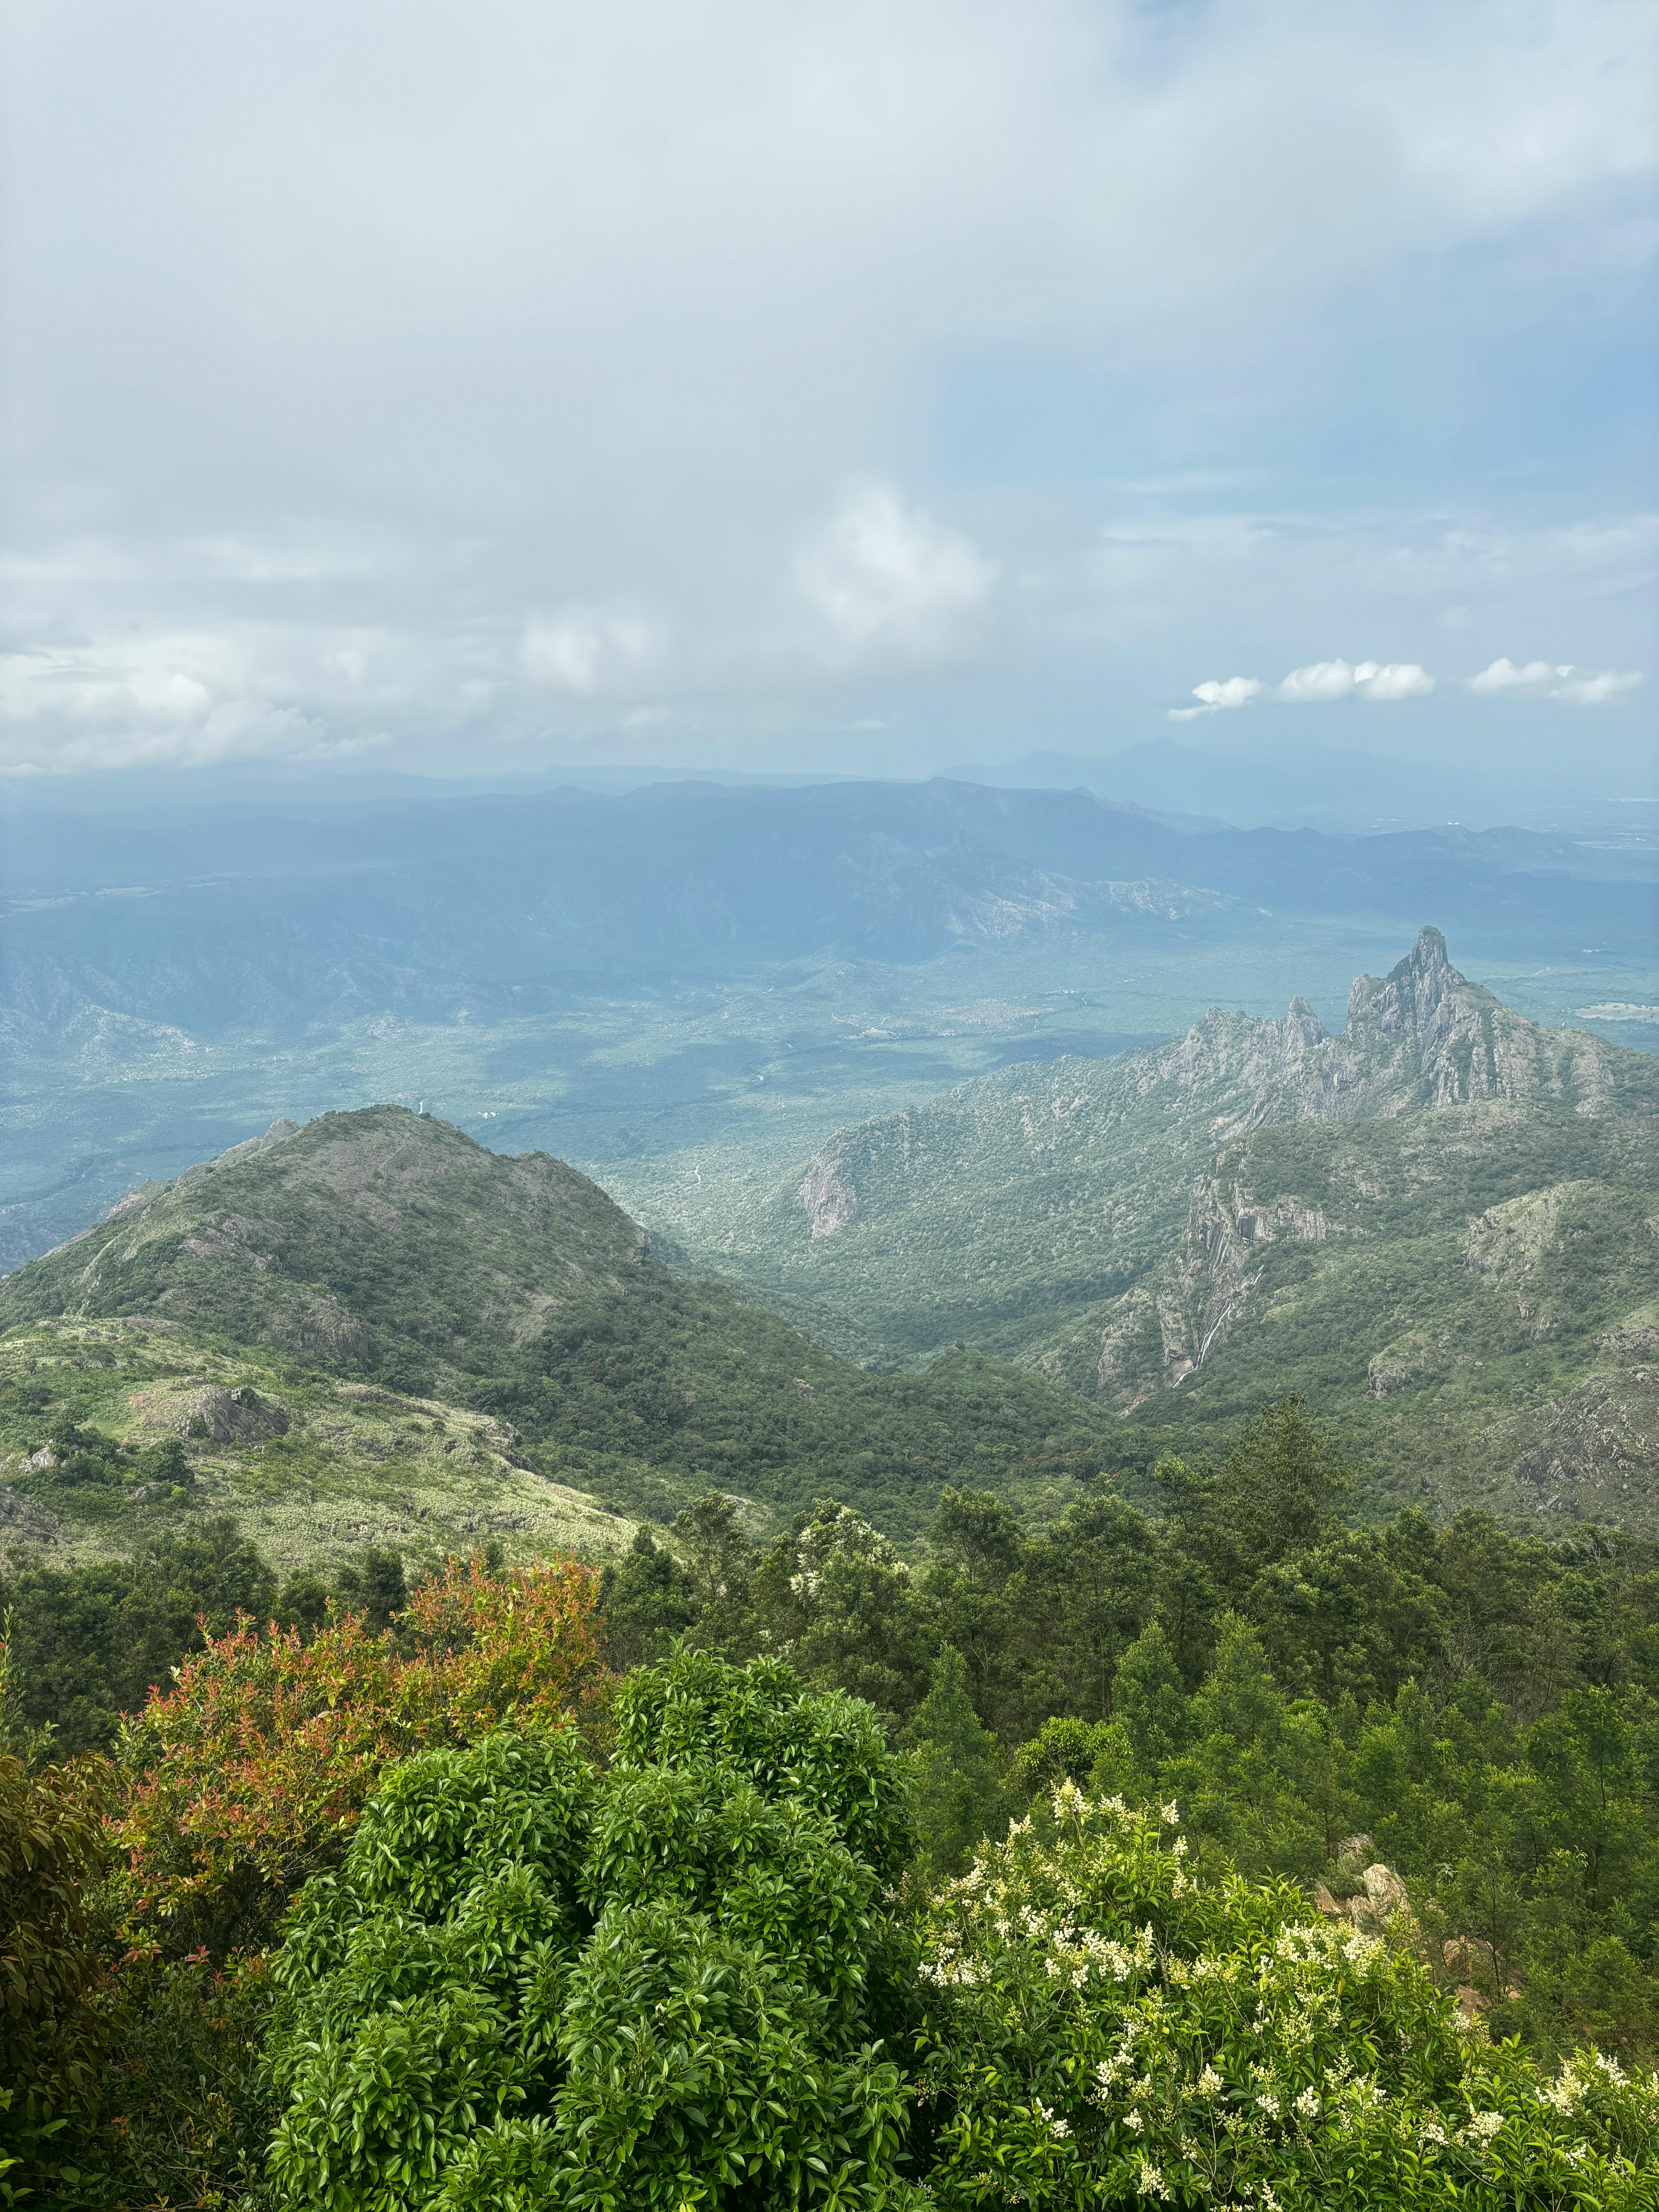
point(1316, 787)
point(207, 920)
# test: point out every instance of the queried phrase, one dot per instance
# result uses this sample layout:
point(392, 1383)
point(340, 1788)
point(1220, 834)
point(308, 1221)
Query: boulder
point(1470, 1955)
point(1386, 1891)
point(211, 1415)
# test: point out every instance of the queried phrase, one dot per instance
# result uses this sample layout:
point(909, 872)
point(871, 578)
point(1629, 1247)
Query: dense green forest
point(1414, 1765)
point(487, 1720)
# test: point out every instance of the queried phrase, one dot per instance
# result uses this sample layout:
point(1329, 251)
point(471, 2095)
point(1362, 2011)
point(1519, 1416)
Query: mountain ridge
point(388, 1247)
point(1125, 1137)
point(1260, 1207)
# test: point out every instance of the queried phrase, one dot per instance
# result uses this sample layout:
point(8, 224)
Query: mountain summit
point(385, 1251)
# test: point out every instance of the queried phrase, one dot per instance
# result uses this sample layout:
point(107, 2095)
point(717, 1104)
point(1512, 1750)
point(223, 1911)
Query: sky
point(869, 384)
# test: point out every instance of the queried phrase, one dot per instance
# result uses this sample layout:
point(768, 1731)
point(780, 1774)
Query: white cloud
point(892, 583)
point(1595, 690)
point(178, 700)
point(1235, 691)
point(1542, 679)
point(1394, 679)
point(1323, 681)
point(588, 650)
point(566, 314)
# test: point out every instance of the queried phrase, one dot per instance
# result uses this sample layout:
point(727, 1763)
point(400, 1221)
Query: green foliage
point(533, 1983)
point(1107, 2028)
point(89, 1643)
point(51, 1851)
point(1294, 1683)
point(1148, 1699)
point(957, 1769)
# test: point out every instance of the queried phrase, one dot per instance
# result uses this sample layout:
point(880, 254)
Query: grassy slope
point(325, 1467)
point(393, 1248)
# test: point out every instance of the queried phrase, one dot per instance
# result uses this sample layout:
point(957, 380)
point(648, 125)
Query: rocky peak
point(1302, 1027)
point(1414, 992)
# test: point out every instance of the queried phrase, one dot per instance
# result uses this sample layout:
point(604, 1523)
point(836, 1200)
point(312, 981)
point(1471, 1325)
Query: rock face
point(225, 1417)
point(830, 1202)
point(1380, 1907)
point(209, 1413)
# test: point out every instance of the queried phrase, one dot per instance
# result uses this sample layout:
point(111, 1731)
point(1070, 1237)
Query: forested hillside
point(341, 1868)
point(384, 1252)
point(1439, 1224)
point(1332, 1872)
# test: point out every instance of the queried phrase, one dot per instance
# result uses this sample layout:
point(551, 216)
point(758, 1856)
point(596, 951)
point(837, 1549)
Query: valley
point(685, 990)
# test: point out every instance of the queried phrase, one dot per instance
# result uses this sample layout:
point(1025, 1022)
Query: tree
point(52, 1853)
point(834, 1596)
point(956, 1766)
point(532, 1984)
point(373, 1584)
point(1148, 1699)
point(250, 1775)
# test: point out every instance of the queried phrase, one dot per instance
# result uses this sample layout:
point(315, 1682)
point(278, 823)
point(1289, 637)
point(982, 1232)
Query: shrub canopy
point(534, 1984)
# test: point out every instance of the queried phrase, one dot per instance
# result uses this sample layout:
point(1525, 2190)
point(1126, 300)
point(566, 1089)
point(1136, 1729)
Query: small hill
point(381, 1238)
point(385, 1248)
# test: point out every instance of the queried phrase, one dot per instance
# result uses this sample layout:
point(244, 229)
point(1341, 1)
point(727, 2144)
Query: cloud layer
point(1538, 679)
point(474, 380)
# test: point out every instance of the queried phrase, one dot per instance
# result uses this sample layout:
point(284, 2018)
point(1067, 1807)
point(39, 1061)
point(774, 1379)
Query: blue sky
point(465, 386)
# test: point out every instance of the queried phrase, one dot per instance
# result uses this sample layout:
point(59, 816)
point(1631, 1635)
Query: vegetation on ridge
point(387, 1247)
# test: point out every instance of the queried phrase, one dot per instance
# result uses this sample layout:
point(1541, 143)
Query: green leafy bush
point(531, 1982)
point(1108, 2027)
point(51, 1852)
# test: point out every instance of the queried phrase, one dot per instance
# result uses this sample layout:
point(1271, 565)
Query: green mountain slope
point(1439, 1224)
point(389, 1248)
point(1474, 1291)
point(1003, 1207)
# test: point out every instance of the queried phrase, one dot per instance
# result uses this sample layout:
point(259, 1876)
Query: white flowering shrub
point(1106, 2028)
